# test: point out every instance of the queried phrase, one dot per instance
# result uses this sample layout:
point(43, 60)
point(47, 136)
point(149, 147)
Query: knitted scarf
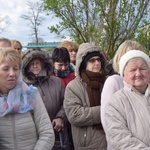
point(63, 73)
point(95, 82)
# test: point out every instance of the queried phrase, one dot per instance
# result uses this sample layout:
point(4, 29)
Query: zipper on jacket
point(14, 132)
point(85, 134)
point(40, 86)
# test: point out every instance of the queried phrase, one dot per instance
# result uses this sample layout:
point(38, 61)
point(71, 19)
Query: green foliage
point(106, 23)
point(143, 36)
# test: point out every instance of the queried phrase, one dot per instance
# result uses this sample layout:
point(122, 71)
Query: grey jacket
point(50, 87)
point(81, 116)
point(28, 131)
point(127, 120)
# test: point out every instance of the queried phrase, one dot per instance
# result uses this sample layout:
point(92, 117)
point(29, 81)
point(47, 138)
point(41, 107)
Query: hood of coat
point(28, 77)
point(83, 50)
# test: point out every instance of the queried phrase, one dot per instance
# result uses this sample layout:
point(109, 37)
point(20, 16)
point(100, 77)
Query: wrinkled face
point(136, 73)
point(35, 66)
point(9, 73)
point(17, 47)
point(61, 66)
point(94, 64)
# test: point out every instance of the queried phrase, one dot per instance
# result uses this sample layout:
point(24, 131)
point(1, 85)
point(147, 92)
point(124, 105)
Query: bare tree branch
point(34, 18)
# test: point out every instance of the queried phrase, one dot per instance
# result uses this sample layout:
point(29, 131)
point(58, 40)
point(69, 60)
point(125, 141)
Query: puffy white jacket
point(28, 131)
point(127, 120)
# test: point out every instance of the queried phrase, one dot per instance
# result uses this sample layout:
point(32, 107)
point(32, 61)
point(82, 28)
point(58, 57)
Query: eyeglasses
point(93, 60)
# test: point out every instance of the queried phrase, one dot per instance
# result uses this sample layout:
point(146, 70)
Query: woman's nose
point(138, 72)
point(11, 72)
point(63, 67)
point(35, 64)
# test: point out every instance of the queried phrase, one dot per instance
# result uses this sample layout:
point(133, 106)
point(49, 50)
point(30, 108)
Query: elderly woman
point(82, 99)
point(24, 122)
point(127, 115)
point(115, 81)
point(37, 70)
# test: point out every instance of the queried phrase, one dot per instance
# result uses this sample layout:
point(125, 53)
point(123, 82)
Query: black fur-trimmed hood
point(28, 77)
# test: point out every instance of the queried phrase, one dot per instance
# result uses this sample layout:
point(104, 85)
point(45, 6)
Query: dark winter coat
point(50, 87)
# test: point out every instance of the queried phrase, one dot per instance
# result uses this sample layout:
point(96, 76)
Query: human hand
point(58, 124)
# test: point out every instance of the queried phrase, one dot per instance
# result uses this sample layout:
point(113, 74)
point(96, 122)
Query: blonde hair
point(9, 54)
point(14, 42)
point(69, 45)
point(123, 48)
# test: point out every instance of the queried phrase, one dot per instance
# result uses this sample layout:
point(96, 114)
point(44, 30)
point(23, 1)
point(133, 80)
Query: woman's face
point(17, 47)
point(72, 53)
point(9, 73)
point(136, 73)
point(61, 66)
point(35, 66)
point(94, 64)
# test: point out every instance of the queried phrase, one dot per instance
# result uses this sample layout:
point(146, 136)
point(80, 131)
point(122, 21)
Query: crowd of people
point(75, 99)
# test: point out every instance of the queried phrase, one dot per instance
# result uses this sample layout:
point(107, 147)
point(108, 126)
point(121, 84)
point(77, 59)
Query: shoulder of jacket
point(54, 78)
point(76, 84)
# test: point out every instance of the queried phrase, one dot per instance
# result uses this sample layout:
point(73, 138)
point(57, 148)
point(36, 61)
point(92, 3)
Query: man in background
point(4, 42)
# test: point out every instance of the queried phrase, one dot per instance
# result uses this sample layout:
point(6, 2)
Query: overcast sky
point(18, 28)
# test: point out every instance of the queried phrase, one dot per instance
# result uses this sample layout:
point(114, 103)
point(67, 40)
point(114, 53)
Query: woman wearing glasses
point(82, 99)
